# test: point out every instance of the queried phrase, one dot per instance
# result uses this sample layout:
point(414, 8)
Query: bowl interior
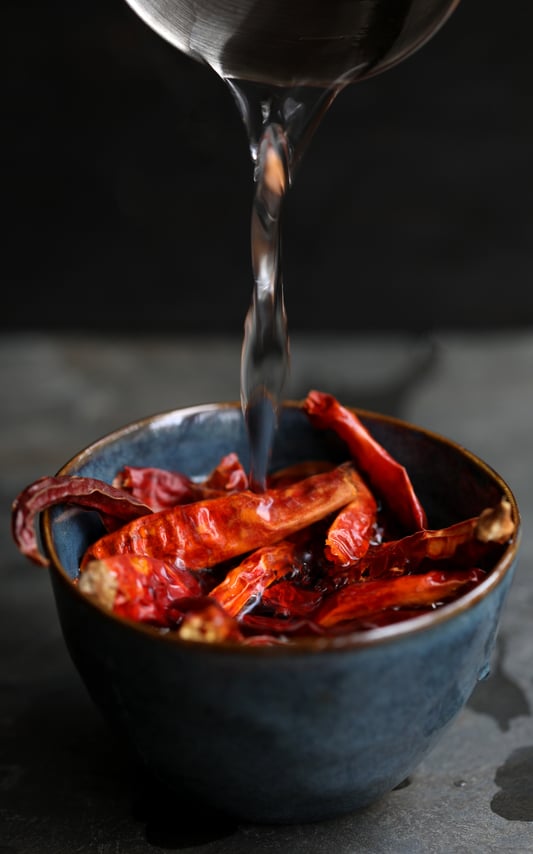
point(452, 483)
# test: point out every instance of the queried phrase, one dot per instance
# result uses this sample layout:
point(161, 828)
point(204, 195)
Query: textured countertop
point(65, 785)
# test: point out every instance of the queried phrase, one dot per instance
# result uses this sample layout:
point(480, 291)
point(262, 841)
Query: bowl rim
point(363, 639)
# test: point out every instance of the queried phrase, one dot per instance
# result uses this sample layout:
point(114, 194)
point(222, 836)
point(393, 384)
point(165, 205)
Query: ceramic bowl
point(281, 734)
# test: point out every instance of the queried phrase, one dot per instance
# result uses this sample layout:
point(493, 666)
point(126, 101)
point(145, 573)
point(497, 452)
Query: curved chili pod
point(387, 476)
point(139, 587)
point(205, 533)
point(493, 526)
point(158, 488)
point(368, 597)
point(207, 621)
point(161, 489)
point(228, 476)
point(288, 599)
point(81, 491)
point(350, 534)
point(245, 583)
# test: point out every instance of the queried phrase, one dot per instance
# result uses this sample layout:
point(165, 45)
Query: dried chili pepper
point(88, 492)
point(351, 533)
point(206, 620)
point(206, 533)
point(228, 476)
point(288, 598)
point(385, 474)
point(352, 530)
point(158, 488)
point(161, 489)
point(244, 585)
point(493, 526)
point(139, 587)
point(367, 597)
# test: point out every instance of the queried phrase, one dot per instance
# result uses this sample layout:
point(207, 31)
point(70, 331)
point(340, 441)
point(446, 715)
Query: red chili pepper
point(206, 620)
point(495, 524)
point(228, 476)
point(352, 531)
point(158, 488)
point(243, 586)
point(288, 599)
point(367, 597)
point(82, 491)
point(385, 475)
point(206, 533)
point(161, 489)
point(472, 538)
point(142, 588)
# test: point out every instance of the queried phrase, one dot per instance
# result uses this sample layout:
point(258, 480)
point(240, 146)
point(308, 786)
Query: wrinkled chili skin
point(353, 529)
point(289, 599)
point(359, 600)
point(161, 489)
point(140, 588)
point(158, 488)
point(388, 478)
point(228, 476)
point(110, 502)
point(206, 533)
point(206, 620)
point(246, 583)
point(457, 542)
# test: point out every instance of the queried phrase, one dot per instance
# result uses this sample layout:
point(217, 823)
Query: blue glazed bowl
point(282, 734)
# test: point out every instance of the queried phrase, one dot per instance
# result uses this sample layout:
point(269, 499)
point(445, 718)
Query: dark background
point(127, 184)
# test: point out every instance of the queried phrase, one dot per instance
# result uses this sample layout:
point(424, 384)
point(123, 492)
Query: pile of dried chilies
point(316, 553)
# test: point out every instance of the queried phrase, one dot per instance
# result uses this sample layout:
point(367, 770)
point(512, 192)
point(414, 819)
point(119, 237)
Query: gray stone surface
point(65, 785)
